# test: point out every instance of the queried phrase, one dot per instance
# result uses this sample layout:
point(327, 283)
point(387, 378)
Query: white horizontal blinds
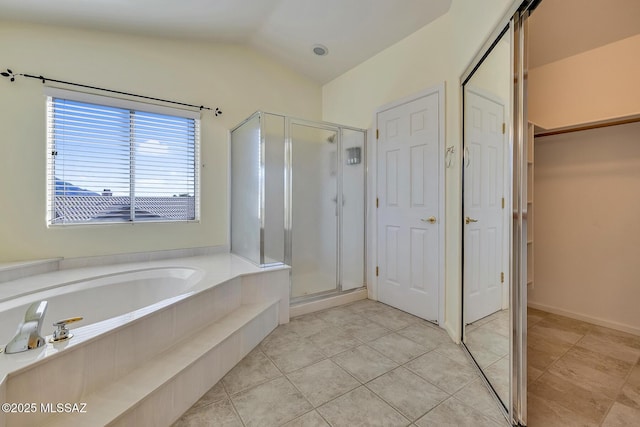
point(164, 153)
point(90, 157)
point(112, 164)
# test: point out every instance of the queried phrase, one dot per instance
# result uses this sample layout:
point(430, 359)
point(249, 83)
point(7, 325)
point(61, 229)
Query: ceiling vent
point(320, 50)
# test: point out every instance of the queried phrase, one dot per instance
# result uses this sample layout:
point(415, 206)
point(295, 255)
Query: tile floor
point(488, 341)
point(581, 374)
point(362, 364)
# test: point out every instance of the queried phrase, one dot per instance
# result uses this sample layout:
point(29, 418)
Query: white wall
point(437, 53)
point(595, 85)
point(234, 78)
point(587, 233)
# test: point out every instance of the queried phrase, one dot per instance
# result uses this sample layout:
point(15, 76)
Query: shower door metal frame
point(520, 217)
point(288, 122)
point(338, 129)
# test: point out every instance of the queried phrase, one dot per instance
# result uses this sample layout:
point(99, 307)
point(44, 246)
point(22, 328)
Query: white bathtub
point(100, 298)
point(135, 317)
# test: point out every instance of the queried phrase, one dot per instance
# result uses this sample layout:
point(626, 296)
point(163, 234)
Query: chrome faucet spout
point(28, 334)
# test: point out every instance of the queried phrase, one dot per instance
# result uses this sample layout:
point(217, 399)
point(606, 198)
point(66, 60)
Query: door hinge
point(504, 128)
point(502, 277)
point(377, 133)
point(503, 203)
point(377, 202)
point(377, 271)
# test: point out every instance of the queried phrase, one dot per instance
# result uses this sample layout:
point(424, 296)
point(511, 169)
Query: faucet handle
point(62, 333)
point(65, 322)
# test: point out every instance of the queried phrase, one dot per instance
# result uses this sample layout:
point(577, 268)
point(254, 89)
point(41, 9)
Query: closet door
point(520, 223)
point(498, 74)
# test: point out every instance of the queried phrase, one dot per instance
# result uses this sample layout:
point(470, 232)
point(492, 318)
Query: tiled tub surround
point(153, 363)
point(99, 298)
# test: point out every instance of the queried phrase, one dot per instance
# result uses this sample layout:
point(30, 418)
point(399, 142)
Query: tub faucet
point(28, 333)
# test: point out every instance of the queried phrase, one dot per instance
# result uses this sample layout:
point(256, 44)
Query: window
point(113, 160)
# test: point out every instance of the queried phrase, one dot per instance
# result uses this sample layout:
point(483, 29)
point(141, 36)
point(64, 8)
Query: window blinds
point(114, 164)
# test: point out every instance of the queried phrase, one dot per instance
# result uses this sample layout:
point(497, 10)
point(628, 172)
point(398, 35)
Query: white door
point(408, 190)
point(483, 212)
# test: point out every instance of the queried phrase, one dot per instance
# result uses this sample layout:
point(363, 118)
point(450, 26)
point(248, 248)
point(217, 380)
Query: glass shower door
point(352, 225)
point(315, 208)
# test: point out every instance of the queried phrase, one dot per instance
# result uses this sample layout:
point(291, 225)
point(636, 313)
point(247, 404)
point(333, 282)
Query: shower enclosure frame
point(288, 175)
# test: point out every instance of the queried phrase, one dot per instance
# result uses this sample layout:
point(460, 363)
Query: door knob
point(468, 220)
point(430, 220)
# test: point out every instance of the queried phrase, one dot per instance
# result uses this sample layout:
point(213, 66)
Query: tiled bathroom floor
point(488, 341)
point(581, 374)
point(362, 364)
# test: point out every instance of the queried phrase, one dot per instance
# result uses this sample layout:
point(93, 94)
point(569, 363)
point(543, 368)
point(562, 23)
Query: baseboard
point(323, 304)
point(585, 318)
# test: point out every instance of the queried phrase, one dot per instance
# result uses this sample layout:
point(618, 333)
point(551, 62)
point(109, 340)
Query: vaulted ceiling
point(352, 30)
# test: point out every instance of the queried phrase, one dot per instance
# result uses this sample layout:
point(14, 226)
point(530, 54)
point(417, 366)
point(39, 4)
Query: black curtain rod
point(12, 76)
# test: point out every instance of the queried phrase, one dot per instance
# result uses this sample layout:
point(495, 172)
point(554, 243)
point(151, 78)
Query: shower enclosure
point(298, 198)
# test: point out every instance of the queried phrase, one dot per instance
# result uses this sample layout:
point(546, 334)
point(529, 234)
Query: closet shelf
point(539, 131)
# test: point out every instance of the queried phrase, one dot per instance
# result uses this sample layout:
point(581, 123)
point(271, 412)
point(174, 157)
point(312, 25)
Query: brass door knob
point(468, 220)
point(430, 220)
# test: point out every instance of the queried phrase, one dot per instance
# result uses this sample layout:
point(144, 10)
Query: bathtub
point(100, 298)
point(134, 317)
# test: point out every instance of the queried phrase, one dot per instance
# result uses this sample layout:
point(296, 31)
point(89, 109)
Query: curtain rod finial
point(10, 74)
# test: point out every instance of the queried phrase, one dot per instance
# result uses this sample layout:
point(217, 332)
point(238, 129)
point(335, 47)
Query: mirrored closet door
point(494, 212)
point(486, 202)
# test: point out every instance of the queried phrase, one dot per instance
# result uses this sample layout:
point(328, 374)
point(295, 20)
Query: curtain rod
point(12, 77)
